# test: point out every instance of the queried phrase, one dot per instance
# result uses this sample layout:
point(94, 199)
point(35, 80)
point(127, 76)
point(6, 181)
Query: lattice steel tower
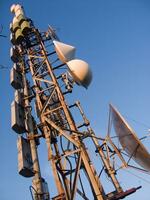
point(44, 72)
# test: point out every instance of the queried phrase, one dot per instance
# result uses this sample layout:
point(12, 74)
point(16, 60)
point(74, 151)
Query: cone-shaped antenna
point(65, 52)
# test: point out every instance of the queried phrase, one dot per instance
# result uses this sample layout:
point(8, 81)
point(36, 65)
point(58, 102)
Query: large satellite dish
point(80, 71)
point(129, 141)
point(64, 51)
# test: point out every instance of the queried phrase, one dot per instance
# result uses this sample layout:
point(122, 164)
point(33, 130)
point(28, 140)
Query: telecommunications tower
point(45, 71)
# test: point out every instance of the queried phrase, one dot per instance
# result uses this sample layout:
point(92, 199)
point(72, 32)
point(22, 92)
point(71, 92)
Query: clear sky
point(113, 36)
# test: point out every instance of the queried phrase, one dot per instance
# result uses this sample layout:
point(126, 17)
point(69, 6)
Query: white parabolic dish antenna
point(64, 51)
point(80, 71)
point(129, 141)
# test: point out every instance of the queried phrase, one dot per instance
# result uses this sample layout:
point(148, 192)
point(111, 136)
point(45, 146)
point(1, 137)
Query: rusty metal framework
point(46, 82)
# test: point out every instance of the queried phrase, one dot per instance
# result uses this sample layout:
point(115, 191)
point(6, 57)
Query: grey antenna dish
point(129, 141)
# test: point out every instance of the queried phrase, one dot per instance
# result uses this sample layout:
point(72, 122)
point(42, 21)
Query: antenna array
point(44, 72)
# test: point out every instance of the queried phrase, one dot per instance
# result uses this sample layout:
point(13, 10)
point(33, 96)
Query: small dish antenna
point(80, 71)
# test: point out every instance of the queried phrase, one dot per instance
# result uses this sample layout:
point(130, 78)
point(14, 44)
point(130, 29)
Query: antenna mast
point(43, 74)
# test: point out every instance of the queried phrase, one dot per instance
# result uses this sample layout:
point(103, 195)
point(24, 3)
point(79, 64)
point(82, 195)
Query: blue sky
point(113, 36)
